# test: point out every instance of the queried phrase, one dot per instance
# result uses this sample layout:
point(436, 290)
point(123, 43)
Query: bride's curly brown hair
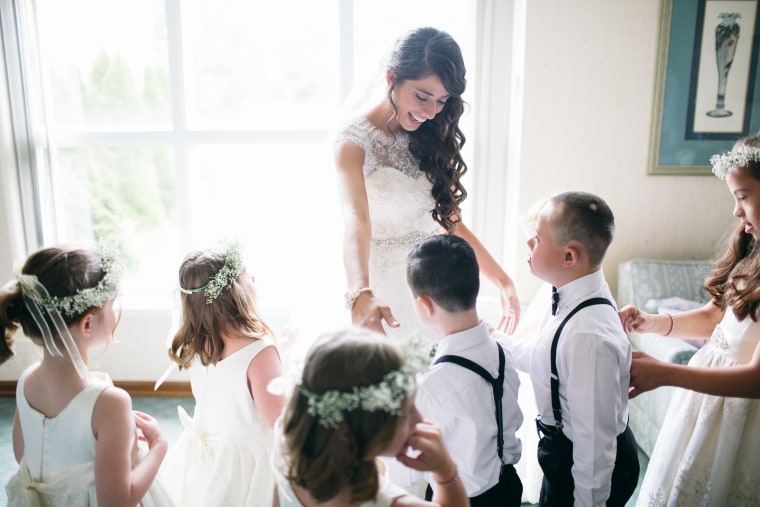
point(735, 277)
point(436, 143)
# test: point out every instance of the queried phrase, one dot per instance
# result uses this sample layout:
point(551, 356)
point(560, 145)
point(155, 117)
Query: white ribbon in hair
point(33, 291)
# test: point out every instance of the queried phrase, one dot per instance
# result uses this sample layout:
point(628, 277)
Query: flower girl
point(74, 434)
point(223, 455)
point(355, 403)
point(708, 449)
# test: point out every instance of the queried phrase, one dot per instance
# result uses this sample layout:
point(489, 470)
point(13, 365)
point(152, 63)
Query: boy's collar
point(461, 339)
point(580, 285)
point(576, 274)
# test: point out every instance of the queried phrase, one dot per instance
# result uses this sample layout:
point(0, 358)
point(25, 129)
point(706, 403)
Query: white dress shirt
point(593, 364)
point(461, 404)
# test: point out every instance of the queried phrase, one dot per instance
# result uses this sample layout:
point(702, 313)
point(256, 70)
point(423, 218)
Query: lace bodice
point(735, 340)
point(381, 149)
point(398, 192)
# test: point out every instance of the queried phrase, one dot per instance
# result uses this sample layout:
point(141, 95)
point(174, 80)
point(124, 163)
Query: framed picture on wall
point(706, 86)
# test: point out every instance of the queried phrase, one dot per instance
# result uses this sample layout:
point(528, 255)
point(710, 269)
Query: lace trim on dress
point(718, 338)
point(381, 149)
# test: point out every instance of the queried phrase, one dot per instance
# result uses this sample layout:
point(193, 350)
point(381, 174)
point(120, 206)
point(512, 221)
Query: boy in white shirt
point(579, 363)
point(470, 391)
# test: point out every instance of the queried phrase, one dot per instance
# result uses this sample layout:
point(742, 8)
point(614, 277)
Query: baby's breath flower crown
point(387, 395)
point(723, 163)
point(222, 280)
point(93, 297)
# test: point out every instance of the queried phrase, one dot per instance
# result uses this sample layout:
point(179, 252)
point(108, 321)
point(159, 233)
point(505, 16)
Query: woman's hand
point(369, 311)
point(510, 304)
point(510, 308)
point(636, 321)
point(646, 374)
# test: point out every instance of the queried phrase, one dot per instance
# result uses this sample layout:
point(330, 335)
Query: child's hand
point(433, 456)
point(150, 429)
point(646, 374)
point(634, 320)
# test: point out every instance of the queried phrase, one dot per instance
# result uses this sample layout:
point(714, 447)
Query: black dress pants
point(558, 491)
point(506, 493)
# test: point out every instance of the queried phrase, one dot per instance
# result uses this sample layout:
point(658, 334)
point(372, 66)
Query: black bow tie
point(555, 300)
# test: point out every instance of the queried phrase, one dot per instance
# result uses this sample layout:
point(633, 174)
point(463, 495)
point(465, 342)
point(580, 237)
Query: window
point(172, 125)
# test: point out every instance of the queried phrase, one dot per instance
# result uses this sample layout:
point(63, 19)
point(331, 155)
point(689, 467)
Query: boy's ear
point(427, 303)
point(572, 255)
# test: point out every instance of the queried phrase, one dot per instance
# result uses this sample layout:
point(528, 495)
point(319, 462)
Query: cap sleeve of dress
point(358, 132)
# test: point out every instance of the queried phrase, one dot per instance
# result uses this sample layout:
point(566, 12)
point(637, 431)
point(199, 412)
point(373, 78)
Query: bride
point(399, 169)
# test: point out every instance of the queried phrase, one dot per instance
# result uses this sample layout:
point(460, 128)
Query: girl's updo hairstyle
point(323, 460)
point(63, 270)
point(436, 143)
point(234, 309)
point(735, 277)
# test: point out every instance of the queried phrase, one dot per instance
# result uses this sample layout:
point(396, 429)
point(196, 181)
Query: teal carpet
point(163, 409)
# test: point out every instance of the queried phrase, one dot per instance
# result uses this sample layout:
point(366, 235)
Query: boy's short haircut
point(444, 267)
point(585, 218)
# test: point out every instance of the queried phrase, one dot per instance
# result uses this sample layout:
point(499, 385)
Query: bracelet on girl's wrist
point(672, 323)
point(350, 297)
point(451, 481)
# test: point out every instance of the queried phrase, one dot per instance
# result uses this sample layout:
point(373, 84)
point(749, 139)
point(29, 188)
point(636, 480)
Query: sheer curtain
point(498, 121)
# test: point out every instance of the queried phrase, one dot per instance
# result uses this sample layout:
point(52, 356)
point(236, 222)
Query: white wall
point(588, 91)
point(589, 87)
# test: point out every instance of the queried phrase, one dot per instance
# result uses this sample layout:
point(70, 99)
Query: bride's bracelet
point(350, 296)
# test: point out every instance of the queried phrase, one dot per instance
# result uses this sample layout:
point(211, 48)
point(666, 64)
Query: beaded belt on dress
point(406, 241)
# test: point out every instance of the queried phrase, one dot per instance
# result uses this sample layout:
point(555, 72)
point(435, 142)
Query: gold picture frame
point(691, 119)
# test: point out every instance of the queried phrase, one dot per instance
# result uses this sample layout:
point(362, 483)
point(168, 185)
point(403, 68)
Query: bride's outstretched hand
point(369, 311)
point(510, 309)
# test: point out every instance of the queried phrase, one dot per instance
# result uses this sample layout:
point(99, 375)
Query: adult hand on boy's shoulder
point(633, 319)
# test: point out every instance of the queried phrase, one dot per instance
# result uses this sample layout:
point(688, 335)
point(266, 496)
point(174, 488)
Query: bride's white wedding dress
point(400, 205)
point(708, 449)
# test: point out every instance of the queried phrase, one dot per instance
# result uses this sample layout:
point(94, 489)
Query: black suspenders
point(496, 383)
point(555, 377)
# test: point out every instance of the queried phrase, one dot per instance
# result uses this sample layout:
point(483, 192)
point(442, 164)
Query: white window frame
point(487, 188)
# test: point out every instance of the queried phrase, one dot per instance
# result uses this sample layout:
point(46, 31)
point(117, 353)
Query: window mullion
point(179, 121)
point(346, 38)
